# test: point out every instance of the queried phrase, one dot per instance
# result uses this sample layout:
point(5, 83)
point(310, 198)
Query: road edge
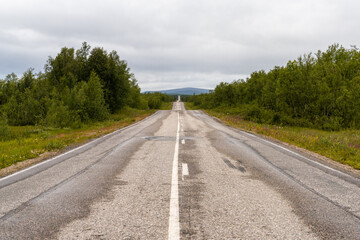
point(68, 150)
point(309, 154)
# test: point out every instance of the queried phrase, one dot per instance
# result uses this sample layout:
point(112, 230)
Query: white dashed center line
point(185, 170)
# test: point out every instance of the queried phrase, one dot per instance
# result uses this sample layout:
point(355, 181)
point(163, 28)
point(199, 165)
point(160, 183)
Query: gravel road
point(185, 170)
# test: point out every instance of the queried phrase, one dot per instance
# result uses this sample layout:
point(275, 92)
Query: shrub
point(276, 120)
point(332, 124)
point(58, 115)
point(143, 103)
point(4, 128)
point(154, 102)
point(94, 102)
point(253, 113)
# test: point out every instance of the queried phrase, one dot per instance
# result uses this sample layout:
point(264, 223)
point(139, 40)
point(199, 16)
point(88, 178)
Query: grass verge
point(341, 146)
point(27, 142)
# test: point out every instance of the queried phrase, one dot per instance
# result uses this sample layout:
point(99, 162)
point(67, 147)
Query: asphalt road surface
point(180, 175)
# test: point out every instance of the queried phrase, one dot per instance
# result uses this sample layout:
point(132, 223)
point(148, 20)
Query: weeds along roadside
point(341, 146)
point(28, 142)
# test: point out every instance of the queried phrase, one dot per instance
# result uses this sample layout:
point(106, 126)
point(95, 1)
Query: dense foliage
point(155, 100)
point(77, 86)
point(319, 90)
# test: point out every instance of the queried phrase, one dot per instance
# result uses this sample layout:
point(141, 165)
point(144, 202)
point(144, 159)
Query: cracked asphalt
point(236, 186)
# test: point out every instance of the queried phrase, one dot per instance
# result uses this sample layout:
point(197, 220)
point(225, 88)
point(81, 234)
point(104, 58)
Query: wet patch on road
point(230, 165)
point(168, 138)
point(191, 193)
point(159, 138)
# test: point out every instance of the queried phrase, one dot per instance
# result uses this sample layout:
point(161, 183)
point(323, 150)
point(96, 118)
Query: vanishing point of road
point(181, 175)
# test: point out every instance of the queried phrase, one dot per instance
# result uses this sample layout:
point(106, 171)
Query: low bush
point(4, 128)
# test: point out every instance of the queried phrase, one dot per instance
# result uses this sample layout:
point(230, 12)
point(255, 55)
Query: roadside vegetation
point(342, 146)
point(25, 142)
point(312, 102)
point(81, 95)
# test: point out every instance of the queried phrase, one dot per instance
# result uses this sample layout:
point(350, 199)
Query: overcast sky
point(176, 43)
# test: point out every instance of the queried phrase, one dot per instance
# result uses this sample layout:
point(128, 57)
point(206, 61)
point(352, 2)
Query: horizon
point(178, 89)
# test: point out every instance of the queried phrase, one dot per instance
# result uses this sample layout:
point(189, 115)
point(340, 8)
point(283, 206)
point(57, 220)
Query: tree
point(321, 90)
point(117, 82)
point(134, 99)
point(61, 70)
point(94, 104)
point(4, 128)
point(82, 66)
point(58, 114)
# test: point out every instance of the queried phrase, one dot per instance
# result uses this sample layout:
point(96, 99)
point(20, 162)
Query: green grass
point(341, 146)
point(21, 143)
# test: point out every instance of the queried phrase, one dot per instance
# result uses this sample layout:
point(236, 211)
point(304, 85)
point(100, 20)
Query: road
point(181, 174)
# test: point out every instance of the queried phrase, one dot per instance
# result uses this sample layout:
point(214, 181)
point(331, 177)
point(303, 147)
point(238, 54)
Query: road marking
point(299, 155)
point(75, 149)
point(183, 141)
point(174, 225)
point(185, 170)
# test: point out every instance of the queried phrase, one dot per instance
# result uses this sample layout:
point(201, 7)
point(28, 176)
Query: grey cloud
point(168, 80)
point(168, 42)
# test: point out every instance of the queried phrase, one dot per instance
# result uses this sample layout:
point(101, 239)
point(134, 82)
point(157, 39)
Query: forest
point(320, 90)
point(77, 86)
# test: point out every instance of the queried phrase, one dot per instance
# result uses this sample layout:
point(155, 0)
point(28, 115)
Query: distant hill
point(182, 91)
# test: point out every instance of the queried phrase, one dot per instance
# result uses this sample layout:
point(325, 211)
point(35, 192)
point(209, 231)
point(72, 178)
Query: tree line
point(319, 90)
point(76, 86)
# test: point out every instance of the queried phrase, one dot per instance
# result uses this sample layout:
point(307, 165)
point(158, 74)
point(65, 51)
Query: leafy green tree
point(118, 82)
point(61, 70)
point(4, 128)
point(82, 66)
point(98, 62)
point(23, 109)
point(58, 114)
point(2, 93)
point(27, 80)
point(9, 87)
point(94, 104)
point(155, 100)
point(321, 90)
point(134, 99)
